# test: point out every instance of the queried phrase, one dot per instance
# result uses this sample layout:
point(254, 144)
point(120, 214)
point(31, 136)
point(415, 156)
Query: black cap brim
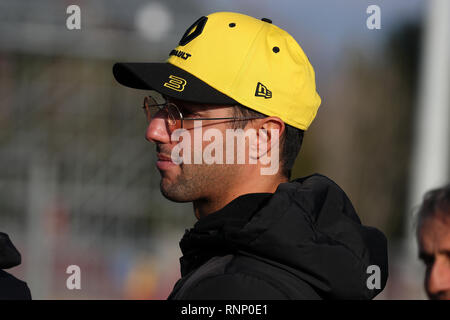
point(153, 76)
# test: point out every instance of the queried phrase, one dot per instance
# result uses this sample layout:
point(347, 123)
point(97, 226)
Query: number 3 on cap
point(190, 35)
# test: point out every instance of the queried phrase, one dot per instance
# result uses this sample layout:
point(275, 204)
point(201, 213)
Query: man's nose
point(157, 131)
point(439, 279)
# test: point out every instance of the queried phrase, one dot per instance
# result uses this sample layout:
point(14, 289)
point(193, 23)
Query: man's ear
point(268, 127)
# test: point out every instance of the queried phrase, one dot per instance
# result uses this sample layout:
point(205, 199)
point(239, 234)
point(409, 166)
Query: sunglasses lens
point(151, 109)
point(173, 116)
point(169, 112)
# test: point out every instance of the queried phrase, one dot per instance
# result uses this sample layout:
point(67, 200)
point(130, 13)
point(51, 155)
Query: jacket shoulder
point(283, 278)
point(243, 277)
point(235, 286)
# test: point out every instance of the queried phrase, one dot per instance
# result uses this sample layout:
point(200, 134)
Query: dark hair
point(435, 202)
point(290, 141)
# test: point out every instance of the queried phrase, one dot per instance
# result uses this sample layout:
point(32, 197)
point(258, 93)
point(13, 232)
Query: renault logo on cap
point(175, 83)
point(262, 91)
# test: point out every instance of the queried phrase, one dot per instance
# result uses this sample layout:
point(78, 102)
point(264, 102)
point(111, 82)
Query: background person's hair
point(436, 204)
point(290, 141)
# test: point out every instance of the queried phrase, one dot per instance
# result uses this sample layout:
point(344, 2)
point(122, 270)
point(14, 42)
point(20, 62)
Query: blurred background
point(78, 183)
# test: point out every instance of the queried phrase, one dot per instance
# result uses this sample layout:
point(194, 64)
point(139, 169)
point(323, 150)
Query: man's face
point(434, 250)
point(189, 181)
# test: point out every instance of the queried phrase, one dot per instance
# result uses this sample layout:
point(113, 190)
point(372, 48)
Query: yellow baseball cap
point(228, 57)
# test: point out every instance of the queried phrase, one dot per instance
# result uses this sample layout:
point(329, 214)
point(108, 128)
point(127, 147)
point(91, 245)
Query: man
point(433, 234)
point(259, 236)
point(11, 288)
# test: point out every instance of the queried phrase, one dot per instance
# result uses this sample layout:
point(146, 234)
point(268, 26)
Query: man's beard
point(178, 190)
point(188, 185)
point(196, 181)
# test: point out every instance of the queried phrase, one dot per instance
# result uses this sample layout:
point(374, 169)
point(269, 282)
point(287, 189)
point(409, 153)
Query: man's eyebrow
point(424, 256)
point(445, 251)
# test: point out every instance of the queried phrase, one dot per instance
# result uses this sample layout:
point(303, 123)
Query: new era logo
point(262, 91)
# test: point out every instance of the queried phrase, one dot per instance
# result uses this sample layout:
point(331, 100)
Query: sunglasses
point(171, 113)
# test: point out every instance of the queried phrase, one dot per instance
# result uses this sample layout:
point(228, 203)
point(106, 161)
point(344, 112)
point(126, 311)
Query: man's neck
point(208, 205)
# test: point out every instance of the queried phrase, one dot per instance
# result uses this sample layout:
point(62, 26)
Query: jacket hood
point(9, 256)
point(309, 228)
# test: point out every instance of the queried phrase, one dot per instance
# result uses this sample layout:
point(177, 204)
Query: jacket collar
point(206, 240)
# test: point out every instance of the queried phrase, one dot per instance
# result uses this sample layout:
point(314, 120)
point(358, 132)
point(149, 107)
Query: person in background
point(433, 235)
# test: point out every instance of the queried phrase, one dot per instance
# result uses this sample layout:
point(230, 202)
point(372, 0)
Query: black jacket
point(10, 287)
point(305, 241)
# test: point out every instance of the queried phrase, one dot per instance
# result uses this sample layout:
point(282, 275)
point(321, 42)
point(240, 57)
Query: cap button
point(266, 20)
